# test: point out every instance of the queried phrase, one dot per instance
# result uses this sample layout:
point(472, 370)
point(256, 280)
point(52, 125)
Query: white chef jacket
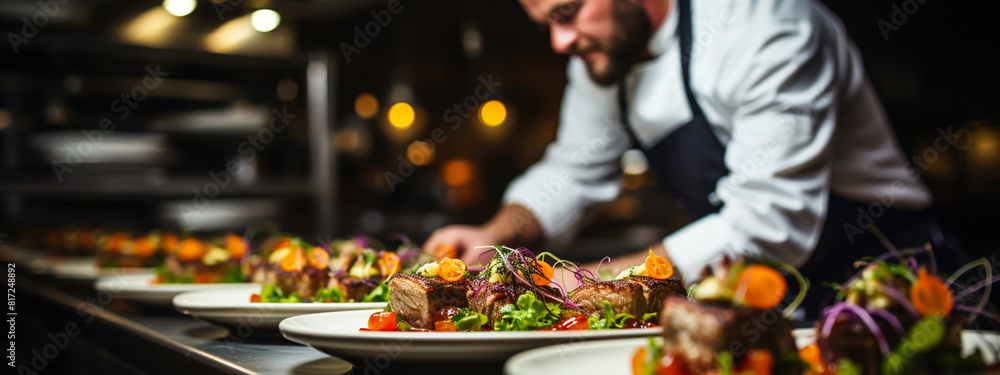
point(785, 91)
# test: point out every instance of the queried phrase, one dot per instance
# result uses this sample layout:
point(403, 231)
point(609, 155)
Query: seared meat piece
point(488, 298)
point(657, 290)
point(417, 300)
point(355, 289)
point(624, 296)
point(304, 283)
point(699, 331)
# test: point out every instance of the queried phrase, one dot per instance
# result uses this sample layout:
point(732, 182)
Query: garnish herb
point(610, 320)
point(529, 314)
point(379, 294)
point(328, 295)
point(923, 336)
point(468, 320)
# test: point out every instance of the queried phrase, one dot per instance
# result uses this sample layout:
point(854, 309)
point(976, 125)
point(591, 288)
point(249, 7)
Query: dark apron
point(690, 161)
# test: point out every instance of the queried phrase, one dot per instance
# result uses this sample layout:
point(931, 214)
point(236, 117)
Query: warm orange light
point(401, 115)
point(366, 105)
point(457, 172)
point(987, 143)
point(492, 113)
point(420, 153)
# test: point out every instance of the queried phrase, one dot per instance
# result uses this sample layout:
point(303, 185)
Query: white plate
point(140, 288)
point(85, 268)
point(337, 334)
point(231, 308)
point(615, 356)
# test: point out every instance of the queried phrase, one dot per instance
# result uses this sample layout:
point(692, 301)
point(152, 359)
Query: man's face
point(609, 35)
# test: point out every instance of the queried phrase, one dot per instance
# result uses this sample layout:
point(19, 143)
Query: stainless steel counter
point(95, 335)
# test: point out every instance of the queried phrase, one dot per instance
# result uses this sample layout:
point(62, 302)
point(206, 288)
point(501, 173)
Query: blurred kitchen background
point(172, 114)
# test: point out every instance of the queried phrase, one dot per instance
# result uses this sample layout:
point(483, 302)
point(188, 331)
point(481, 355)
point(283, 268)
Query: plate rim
point(516, 361)
point(293, 329)
point(272, 307)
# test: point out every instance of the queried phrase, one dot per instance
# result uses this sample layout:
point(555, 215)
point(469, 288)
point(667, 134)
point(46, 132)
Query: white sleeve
point(581, 168)
point(783, 95)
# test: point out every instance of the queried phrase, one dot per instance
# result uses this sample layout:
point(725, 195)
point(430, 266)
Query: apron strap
point(687, 40)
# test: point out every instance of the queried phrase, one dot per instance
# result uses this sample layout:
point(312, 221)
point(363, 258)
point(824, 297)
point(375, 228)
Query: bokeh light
point(179, 8)
point(401, 115)
point(420, 153)
point(492, 113)
point(366, 105)
point(265, 20)
point(457, 172)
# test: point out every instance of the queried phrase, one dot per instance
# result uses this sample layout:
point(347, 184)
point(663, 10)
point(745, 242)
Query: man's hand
point(458, 241)
point(513, 226)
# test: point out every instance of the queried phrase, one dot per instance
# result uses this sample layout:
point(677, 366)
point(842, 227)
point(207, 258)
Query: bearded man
point(756, 115)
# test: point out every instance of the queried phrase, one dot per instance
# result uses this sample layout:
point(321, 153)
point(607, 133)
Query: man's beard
point(624, 47)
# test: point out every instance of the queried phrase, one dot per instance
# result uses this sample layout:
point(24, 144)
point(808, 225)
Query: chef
point(756, 115)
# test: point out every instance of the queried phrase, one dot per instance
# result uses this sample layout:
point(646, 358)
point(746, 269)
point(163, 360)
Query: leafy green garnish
point(468, 320)
point(846, 367)
point(922, 337)
point(529, 314)
point(165, 274)
point(886, 270)
point(403, 325)
point(725, 362)
point(233, 275)
point(370, 257)
point(271, 293)
point(690, 291)
point(610, 320)
point(379, 294)
point(111, 262)
point(836, 288)
point(653, 354)
point(649, 317)
point(328, 295)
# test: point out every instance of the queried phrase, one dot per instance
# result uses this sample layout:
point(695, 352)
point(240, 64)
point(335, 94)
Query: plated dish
point(230, 308)
point(221, 259)
point(337, 334)
point(348, 270)
point(614, 356)
point(448, 313)
point(517, 291)
point(898, 316)
point(144, 289)
point(895, 316)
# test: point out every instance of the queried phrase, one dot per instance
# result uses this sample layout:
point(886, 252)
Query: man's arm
point(580, 169)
